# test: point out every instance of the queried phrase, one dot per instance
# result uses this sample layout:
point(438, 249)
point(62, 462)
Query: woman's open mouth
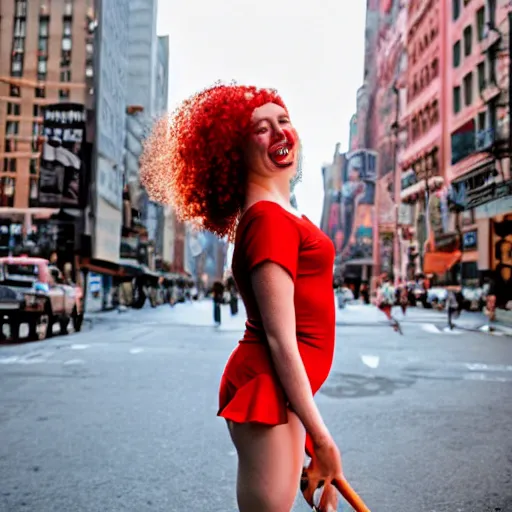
point(281, 154)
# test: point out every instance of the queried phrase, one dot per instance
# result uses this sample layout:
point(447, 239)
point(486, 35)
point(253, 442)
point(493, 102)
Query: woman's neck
point(272, 191)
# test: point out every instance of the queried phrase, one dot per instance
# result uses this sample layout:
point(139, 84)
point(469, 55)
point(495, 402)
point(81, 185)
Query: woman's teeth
point(282, 152)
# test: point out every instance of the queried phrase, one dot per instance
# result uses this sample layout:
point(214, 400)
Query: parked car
point(33, 291)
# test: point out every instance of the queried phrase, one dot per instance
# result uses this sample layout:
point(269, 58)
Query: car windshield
point(24, 270)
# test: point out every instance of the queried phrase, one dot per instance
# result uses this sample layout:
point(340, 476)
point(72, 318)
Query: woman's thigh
point(270, 461)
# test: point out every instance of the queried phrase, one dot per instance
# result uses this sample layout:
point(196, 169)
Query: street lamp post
point(395, 127)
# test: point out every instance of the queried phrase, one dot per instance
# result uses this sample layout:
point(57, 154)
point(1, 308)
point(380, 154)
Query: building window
point(468, 89)
point(63, 94)
point(13, 109)
point(18, 45)
point(480, 23)
point(492, 69)
point(17, 65)
point(456, 9)
point(41, 68)
point(66, 44)
point(12, 128)
point(34, 193)
point(34, 164)
point(65, 58)
point(36, 110)
point(21, 8)
point(481, 76)
point(491, 4)
point(42, 45)
point(68, 8)
point(43, 26)
point(481, 121)
point(456, 54)
point(40, 92)
point(9, 165)
point(456, 100)
point(65, 76)
point(66, 27)
point(468, 40)
point(20, 27)
point(7, 188)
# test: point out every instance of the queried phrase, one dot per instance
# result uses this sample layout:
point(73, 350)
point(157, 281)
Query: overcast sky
point(311, 51)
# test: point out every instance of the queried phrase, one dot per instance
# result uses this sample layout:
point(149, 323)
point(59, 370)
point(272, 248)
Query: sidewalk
point(193, 314)
point(361, 314)
point(200, 314)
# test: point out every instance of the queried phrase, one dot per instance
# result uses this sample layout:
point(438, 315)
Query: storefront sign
point(62, 170)
point(478, 188)
point(470, 240)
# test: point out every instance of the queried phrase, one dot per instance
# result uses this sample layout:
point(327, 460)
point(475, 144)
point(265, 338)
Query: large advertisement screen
point(62, 170)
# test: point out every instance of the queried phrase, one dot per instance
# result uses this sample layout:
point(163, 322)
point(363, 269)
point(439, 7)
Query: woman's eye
point(284, 121)
point(261, 130)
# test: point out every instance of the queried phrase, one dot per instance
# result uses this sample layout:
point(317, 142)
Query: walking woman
point(225, 160)
point(386, 297)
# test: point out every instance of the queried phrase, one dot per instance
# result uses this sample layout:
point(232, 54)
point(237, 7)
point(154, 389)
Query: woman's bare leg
point(270, 461)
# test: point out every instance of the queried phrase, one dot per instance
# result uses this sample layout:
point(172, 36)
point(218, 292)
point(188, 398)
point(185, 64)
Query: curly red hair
point(194, 157)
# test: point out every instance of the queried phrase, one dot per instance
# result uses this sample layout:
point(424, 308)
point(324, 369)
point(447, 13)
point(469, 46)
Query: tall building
point(478, 121)
point(423, 118)
point(45, 57)
point(143, 55)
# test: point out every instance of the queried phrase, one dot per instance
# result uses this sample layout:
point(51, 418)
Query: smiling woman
point(225, 159)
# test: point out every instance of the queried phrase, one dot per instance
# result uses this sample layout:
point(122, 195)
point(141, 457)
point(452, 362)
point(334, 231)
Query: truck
point(35, 292)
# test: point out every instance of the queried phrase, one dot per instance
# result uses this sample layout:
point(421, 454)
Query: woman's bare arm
point(274, 290)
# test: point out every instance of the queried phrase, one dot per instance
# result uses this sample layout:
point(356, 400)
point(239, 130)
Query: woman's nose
point(278, 133)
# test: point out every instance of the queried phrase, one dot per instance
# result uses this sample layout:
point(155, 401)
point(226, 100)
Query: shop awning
point(440, 262)
point(420, 187)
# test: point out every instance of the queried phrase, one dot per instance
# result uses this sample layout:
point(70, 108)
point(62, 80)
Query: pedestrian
point(233, 296)
point(218, 299)
point(365, 292)
point(402, 295)
point(453, 305)
point(237, 184)
point(386, 297)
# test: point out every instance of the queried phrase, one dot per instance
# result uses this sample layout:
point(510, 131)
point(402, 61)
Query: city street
point(122, 417)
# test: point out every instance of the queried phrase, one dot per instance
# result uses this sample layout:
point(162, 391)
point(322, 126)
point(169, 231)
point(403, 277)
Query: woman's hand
point(325, 466)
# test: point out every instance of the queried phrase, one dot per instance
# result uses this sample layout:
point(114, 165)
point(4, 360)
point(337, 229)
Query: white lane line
point(370, 360)
point(136, 350)
point(74, 361)
point(430, 328)
point(78, 346)
point(447, 330)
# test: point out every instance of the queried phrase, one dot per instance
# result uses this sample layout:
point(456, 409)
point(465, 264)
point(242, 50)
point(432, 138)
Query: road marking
point(78, 346)
point(74, 361)
point(370, 361)
point(136, 350)
point(9, 360)
point(447, 330)
point(430, 328)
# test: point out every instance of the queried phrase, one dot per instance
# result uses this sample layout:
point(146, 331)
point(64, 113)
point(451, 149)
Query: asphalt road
point(122, 417)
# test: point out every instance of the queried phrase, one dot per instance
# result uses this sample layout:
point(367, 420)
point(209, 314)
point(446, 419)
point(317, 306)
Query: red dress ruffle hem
point(250, 391)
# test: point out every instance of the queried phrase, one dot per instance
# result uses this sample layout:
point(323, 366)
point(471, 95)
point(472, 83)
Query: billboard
point(357, 204)
point(62, 170)
point(205, 255)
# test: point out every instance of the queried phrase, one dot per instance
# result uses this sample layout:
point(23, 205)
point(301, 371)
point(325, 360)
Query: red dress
point(250, 390)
